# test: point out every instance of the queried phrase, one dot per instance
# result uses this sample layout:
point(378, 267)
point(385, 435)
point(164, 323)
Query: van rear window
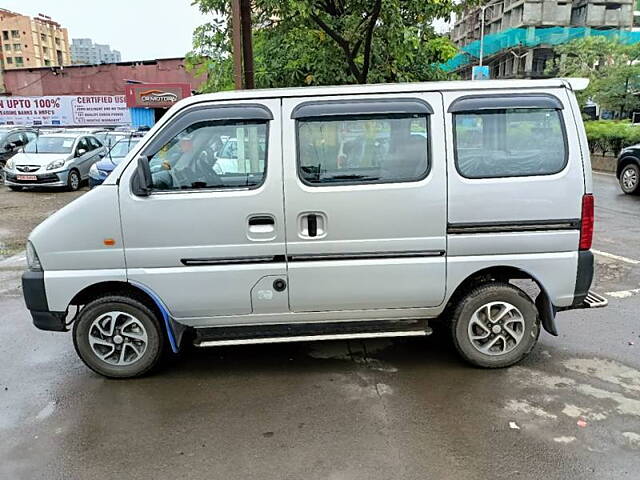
point(363, 149)
point(510, 142)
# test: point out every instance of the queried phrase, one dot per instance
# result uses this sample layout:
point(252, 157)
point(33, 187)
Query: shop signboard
point(63, 110)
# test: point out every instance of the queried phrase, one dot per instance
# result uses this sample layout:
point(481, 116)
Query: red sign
point(156, 95)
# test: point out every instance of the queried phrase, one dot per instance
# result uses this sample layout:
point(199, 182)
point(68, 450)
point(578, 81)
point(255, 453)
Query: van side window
point(363, 149)
point(509, 142)
point(212, 154)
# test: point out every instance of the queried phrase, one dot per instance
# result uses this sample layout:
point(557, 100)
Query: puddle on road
point(359, 352)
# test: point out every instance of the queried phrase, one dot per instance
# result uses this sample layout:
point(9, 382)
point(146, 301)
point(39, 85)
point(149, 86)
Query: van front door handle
point(261, 226)
point(261, 220)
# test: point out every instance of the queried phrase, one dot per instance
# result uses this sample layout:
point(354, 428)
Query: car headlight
point(55, 164)
point(10, 164)
point(33, 262)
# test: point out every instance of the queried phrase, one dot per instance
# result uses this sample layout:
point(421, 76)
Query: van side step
point(594, 300)
point(309, 332)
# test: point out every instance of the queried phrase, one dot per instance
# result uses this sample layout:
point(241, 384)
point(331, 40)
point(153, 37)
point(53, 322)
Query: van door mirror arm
point(142, 182)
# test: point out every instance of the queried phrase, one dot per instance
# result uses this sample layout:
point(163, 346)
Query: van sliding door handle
point(312, 224)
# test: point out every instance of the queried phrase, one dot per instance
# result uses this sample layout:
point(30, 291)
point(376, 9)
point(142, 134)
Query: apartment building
point(536, 20)
point(31, 42)
point(84, 51)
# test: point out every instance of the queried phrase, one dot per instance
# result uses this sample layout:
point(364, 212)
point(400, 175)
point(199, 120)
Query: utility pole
point(242, 44)
point(236, 43)
point(247, 43)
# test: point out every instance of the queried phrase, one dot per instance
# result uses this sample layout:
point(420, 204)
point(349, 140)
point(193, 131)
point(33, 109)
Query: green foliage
point(611, 67)
point(608, 136)
point(310, 42)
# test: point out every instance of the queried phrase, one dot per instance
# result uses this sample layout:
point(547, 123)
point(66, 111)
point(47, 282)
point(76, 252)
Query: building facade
point(28, 42)
point(84, 51)
point(107, 80)
point(536, 19)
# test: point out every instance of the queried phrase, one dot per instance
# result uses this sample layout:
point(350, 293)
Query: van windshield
point(44, 144)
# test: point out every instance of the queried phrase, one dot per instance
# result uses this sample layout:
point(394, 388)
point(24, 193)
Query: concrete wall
point(107, 79)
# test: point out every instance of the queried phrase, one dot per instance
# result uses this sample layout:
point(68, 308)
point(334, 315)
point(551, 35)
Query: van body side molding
point(313, 257)
point(192, 262)
point(508, 227)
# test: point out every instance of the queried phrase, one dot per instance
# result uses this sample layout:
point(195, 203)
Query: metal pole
point(482, 9)
point(247, 43)
point(236, 41)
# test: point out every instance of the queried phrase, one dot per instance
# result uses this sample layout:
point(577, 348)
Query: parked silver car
point(54, 160)
point(341, 213)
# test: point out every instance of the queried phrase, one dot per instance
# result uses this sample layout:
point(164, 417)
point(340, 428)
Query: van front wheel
point(118, 337)
point(495, 325)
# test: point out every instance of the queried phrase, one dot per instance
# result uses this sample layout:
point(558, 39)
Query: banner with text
point(65, 110)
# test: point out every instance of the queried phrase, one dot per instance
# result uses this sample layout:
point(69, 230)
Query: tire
point(120, 352)
point(73, 181)
point(15, 189)
point(521, 317)
point(630, 179)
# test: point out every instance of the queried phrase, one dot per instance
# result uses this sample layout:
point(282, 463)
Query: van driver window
point(509, 143)
point(363, 149)
point(212, 155)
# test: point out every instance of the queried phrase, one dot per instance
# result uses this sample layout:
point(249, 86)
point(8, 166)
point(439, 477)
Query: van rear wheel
point(118, 337)
point(495, 325)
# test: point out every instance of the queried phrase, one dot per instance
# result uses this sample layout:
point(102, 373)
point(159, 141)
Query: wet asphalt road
point(401, 409)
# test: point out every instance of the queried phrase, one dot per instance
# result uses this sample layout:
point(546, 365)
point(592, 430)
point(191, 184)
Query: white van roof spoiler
point(576, 84)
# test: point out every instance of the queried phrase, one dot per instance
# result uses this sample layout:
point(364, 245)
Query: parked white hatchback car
point(342, 212)
point(53, 160)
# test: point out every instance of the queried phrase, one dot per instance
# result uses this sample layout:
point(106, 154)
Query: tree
point(611, 67)
point(321, 42)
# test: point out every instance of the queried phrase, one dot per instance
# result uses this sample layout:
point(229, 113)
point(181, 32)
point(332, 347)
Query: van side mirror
point(80, 152)
point(142, 183)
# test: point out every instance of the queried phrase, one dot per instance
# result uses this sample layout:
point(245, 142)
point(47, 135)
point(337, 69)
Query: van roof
point(571, 83)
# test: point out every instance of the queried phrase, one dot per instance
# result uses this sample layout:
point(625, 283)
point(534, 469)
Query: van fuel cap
point(279, 285)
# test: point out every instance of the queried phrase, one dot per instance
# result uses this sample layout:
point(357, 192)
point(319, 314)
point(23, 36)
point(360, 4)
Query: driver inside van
point(187, 161)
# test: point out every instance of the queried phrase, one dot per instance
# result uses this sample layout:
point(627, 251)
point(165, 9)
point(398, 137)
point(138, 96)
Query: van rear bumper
point(35, 297)
point(584, 277)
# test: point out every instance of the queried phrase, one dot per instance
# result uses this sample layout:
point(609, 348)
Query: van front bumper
point(35, 297)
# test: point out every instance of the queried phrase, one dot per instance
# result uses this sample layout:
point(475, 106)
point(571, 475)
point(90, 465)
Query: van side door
point(365, 190)
point(209, 242)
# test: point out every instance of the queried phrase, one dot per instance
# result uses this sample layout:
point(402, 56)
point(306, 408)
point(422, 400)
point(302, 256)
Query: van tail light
point(586, 225)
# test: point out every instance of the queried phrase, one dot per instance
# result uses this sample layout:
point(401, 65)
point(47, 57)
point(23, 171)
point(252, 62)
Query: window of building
point(43, 37)
point(9, 60)
point(15, 33)
point(17, 47)
point(47, 63)
point(57, 40)
point(363, 149)
point(19, 60)
point(45, 51)
point(212, 155)
point(5, 34)
point(509, 142)
point(7, 47)
point(612, 6)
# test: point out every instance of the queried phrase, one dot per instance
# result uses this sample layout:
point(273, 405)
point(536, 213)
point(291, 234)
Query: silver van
point(344, 212)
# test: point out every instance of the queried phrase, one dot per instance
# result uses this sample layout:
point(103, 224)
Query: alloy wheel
point(496, 328)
